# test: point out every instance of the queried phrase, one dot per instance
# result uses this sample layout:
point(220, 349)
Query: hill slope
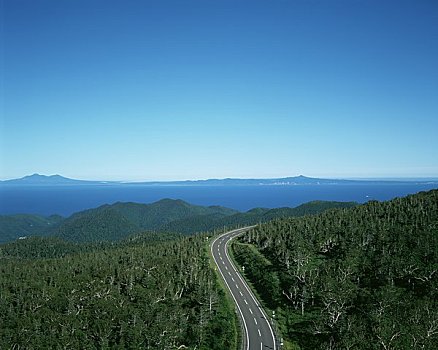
point(363, 278)
point(117, 221)
point(130, 295)
point(20, 225)
point(251, 217)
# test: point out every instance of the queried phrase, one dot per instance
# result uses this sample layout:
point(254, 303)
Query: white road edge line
point(223, 277)
point(249, 291)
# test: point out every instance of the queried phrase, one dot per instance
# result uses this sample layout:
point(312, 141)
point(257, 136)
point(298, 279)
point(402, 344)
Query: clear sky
point(185, 89)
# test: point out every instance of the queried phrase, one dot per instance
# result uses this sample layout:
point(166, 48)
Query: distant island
point(56, 180)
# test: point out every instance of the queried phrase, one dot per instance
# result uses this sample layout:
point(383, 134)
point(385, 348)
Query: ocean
point(65, 200)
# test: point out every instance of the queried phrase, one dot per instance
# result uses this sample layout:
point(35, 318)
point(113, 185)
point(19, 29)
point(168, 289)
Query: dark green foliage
point(118, 221)
point(156, 215)
point(53, 247)
point(360, 278)
point(40, 247)
point(220, 332)
point(109, 222)
point(22, 225)
point(310, 208)
point(131, 295)
point(251, 217)
point(259, 270)
point(103, 223)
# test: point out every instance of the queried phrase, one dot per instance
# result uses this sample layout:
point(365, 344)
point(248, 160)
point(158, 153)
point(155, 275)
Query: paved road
point(258, 332)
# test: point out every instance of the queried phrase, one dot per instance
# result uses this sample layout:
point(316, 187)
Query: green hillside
point(137, 294)
point(120, 220)
point(100, 224)
point(363, 277)
point(202, 223)
point(37, 247)
point(22, 225)
point(156, 215)
point(359, 278)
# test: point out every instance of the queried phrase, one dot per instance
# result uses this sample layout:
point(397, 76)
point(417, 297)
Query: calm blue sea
point(69, 199)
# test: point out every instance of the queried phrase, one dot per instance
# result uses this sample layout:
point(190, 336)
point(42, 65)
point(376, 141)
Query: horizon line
point(357, 178)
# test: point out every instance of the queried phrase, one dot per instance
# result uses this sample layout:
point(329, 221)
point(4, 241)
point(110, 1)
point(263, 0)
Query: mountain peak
point(39, 176)
point(170, 201)
point(38, 179)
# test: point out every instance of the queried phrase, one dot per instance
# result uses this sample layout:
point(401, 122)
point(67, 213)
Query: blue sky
point(144, 90)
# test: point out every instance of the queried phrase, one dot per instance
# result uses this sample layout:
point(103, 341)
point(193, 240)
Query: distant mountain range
point(56, 180)
point(37, 179)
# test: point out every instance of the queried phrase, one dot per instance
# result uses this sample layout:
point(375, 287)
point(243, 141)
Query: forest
point(337, 276)
point(148, 292)
point(359, 278)
point(122, 219)
point(97, 280)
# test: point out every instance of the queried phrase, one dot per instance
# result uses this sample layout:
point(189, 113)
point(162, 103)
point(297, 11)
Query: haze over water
point(65, 200)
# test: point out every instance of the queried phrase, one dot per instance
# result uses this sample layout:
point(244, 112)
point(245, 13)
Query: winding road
point(258, 332)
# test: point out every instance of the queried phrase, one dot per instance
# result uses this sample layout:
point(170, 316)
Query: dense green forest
point(350, 277)
point(251, 217)
point(360, 278)
point(122, 289)
point(140, 293)
point(120, 220)
point(21, 225)
point(37, 247)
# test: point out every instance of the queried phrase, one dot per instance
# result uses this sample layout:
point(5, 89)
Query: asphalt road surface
point(258, 332)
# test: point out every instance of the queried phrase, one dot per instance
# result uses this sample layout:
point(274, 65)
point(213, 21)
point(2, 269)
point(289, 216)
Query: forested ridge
point(20, 225)
point(360, 278)
point(152, 290)
point(120, 220)
point(140, 293)
point(251, 217)
point(355, 277)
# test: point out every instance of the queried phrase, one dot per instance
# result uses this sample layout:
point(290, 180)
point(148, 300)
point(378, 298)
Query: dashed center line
point(228, 266)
